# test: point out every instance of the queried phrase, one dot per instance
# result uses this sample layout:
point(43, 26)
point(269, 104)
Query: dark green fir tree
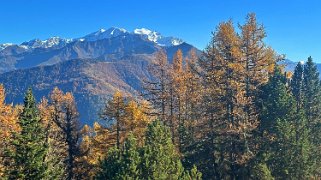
point(312, 106)
point(286, 147)
point(297, 85)
point(29, 144)
point(157, 159)
point(122, 163)
point(312, 93)
point(276, 102)
point(160, 158)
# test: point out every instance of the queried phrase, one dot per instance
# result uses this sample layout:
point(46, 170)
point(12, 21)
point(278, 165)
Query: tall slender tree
point(224, 74)
point(158, 89)
point(29, 144)
point(192, 97)
point(297, 86)
point(178, 96)
point(312, 106)
point(286, 146)
point(276, 102)
point(57, 147)
point(259, 62)
point(178, 84)
point(8, 126)
point(114, 113)
point(65, 115)
point(312, 93)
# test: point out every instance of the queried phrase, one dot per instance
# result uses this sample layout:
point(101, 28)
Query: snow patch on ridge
point(158, 38)
point(58, 42)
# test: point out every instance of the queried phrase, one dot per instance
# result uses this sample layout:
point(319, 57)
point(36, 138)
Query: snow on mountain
point(58, 42)
point(51, 42)
point(3, 46)
point(150, 35)
point(104, 34)
point(158, 38)
point(37, 43)
point(169, 41)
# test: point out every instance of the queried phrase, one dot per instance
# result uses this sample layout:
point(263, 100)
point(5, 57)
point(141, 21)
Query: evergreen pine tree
point(312, 106)
point(131, 159)
point(157, 159)
point(302, 147)
point(277, 103)
point(297, 85)
point(111, 165)
point(55, 141)
point(30, 146)
point(312, 93)
point(278, 109)
point(123, 163)
point(292, 150)
point(261, 171)
point(160, 159)
point(286, 149)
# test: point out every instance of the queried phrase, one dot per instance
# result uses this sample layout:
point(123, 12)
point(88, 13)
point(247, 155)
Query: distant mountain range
point(290, 65)
point(92, 67)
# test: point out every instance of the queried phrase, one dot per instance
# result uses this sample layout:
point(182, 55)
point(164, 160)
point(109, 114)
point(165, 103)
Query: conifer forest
point(231, 111)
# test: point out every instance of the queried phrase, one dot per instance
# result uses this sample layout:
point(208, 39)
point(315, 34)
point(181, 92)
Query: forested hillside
point(231, 112)
point(91, 70)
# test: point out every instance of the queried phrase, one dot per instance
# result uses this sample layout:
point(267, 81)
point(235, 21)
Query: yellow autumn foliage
point(8, 125)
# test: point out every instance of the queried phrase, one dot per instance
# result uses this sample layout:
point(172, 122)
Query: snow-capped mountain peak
point(151, 35)
point(57, 42)
point(158, 38)
point(102, 30)
point(50, 42)
point(142, 31)
point(104, 34)
point(5, 45)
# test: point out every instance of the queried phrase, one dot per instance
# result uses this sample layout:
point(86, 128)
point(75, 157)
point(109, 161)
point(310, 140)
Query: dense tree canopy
point(230, 112)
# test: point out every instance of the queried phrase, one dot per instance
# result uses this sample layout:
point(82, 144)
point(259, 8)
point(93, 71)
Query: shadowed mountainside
point(103, 67)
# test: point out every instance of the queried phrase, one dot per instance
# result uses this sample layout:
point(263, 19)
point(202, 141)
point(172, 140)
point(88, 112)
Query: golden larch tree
point(157, 88)
point(65, 116)
point(113, 114)
point(8, 126)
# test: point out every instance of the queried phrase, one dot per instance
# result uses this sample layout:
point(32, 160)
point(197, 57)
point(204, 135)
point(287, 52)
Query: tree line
point(231, 112)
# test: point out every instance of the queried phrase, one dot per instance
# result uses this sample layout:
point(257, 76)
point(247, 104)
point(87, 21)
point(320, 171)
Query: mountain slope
point(113, 42)
point(92, 67)
point(91, 82)
point(110, 49)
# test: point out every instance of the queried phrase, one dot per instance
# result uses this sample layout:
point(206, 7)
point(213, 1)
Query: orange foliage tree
point(8, 125)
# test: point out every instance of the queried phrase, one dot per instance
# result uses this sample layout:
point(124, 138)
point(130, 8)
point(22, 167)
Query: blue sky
point(293, 26)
